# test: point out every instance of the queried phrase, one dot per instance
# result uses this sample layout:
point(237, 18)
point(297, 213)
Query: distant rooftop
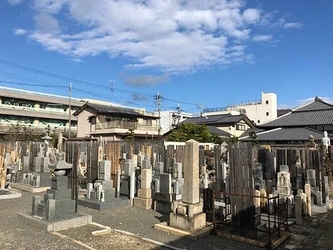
point(228, 108)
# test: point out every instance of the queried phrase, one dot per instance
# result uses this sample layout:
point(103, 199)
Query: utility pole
point(176, 116)
point(200, 106)
point(69, 110)
point(158, 98)
point(178, 113)
point(112, 87)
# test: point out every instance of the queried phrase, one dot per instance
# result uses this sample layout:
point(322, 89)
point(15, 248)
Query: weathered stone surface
point(191, 172)
point(142, 203)
point(188, 224)
point(144, 193)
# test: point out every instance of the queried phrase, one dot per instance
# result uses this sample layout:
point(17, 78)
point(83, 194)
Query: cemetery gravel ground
point(15, 234)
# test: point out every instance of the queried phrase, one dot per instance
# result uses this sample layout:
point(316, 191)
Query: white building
point(170, 118)
point(259, 112)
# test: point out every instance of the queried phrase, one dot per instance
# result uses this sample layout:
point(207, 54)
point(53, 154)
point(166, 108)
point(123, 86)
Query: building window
point(266, 101)
point(241, 127)
point(147, 122)
point(267, 113)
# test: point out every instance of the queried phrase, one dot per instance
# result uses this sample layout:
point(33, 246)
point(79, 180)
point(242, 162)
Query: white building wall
point(264, 111)
point(83, 128)
point(167, 119)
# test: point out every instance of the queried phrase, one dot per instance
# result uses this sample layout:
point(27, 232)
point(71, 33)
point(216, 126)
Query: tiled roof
point(215, 131)
point(317, 112)
point(217, 119)
point(247, 132)
point(281, 112)
point(317, 104)
point(287, 134)
point(112, 110)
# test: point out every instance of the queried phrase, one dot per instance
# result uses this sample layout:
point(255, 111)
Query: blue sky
point(193, 53)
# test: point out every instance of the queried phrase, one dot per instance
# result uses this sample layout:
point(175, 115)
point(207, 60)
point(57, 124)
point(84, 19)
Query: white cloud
point(292, 25)
point(311, 99)
point(289, 25)
point(46, 23)
point(15, 2)
point(18, 32)
point(49, 6)
point(251, 15)
point(145, 80)
point(171, 35)
point(327, 99)
point(137, 97)
point(262, 38)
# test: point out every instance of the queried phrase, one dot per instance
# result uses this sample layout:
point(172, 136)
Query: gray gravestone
point(37, 166)
point(165, 184)
point(311, 177)
point(35, 201)
point(129, 167)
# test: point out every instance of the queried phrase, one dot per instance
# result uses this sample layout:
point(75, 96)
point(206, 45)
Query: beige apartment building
point(38, 111)
point(259, 112)
point(42, 112)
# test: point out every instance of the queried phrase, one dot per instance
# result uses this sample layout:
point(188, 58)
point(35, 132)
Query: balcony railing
point(6, 126)
point(124, 125)
point(33, 109)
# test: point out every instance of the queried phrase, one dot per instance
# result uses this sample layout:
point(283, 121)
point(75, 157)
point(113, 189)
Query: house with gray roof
point(224, 125)
point(296, 126)
point(316, 114)
point(115, 122)
point(299, 136)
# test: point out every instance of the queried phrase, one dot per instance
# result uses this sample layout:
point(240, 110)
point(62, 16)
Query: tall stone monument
point(187, 213)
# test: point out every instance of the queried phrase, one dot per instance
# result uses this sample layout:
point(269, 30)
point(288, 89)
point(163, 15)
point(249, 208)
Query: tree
point(20, 132)
point(218, 139)
point(253, 136)
point(130, 135)
point(189, 131)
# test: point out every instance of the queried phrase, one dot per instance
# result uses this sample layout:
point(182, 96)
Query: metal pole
point(69, 110)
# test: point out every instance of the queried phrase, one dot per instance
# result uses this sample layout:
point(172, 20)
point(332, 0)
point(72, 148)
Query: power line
point(63, 78)
point(22, 78)
point(73, 80)
point(76, 89)
point(30, 84)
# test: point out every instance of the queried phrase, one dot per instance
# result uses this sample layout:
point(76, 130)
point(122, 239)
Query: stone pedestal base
point(76, 220)
point(10, 195)
point(28, 188)
point(185, 223)
point(144, 199)
point(187, 217)
point(163, 203)
point(107, 205)
point(145, 203)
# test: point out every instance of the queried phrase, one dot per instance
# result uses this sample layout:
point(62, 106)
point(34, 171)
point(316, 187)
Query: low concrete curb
point(51, 226)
